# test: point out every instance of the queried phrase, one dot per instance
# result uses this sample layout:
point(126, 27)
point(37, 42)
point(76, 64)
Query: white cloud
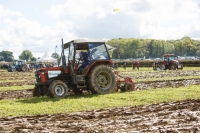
point(166, 19)
point(21, 34)
point(88, 8)
point(154, 18)
point(5, 12)
point(170, 20)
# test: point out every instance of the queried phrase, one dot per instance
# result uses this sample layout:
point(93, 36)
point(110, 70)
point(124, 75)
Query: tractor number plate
point(179, 66)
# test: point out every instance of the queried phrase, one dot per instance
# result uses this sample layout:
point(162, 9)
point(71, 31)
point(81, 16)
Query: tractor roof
point(20, 60)
point(84, 41)
point(88, 41)
point(168, 55)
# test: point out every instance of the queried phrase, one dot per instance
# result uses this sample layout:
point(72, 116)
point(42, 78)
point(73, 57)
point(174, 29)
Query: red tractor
point(169, 62)
point(96, 77)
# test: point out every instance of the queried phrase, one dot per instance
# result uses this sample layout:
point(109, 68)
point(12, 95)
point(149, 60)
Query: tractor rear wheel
point(13, 70)
point(162, 66)
point(128, 87)
point(24, 68)
point(58, 89)
point(102, 80)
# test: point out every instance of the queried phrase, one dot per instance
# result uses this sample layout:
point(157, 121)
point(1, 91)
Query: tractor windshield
point(66, 57)
point(98, 52)
point(169, 58)
point(71, 52)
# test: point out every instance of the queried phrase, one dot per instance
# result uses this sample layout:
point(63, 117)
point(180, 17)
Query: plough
point(124, 83)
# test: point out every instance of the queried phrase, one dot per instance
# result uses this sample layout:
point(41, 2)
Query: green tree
point(26, 55)
point(10, 58)
point(180, 48)
point(169, 47)
point(33, 59)
point(137, 48)
point(1, 58)
point(187, 42)
point(7, 54)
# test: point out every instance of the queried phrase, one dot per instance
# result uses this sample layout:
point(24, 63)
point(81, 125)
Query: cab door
point(71, 59)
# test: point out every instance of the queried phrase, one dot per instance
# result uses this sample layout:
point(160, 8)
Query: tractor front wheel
point(58, 89)
point(172, 67)
point(180, 67)
point(24, 68)
point(102, 80)
point(13, 70)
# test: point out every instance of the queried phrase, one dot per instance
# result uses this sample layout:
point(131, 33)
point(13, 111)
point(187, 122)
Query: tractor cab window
point(98, 52)
point(66, 51)
point(168, 58)
point(23, 62)
point(165, 58)
point(71, 52)
point(16, 63)
point(171, 58)
point(19, 63)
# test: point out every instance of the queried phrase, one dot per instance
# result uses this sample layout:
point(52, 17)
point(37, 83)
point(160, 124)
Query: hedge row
point(143, 63)
point(189, 63)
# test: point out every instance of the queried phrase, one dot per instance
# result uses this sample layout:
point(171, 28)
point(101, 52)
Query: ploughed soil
point(173, 117)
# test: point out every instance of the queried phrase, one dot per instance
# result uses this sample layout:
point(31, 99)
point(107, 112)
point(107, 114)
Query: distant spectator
point(133, 65)
point(138, 65)
point(114, 65)
point(35, 66)
point(28, 66)
point(44, 65)
point(124, 65)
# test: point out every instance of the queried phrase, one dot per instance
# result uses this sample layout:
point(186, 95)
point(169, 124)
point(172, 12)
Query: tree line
point(25, 55)
point(131, 48)
point(151, 48)
point(7, 56)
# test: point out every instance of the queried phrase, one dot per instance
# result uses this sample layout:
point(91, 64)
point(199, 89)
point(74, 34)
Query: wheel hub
point(102, 80)
point(59, 90)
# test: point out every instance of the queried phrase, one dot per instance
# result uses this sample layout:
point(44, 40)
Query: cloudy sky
point(39, 25)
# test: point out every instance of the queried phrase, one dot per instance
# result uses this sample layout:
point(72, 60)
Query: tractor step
point(80, 82)
point(81, 87)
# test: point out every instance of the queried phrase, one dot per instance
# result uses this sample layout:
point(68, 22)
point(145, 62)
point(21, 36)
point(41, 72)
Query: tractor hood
point(175, 61)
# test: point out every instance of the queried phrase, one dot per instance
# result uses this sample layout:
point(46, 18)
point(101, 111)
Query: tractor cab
point(81, 51)
point(83, 56)
point(170, 59)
